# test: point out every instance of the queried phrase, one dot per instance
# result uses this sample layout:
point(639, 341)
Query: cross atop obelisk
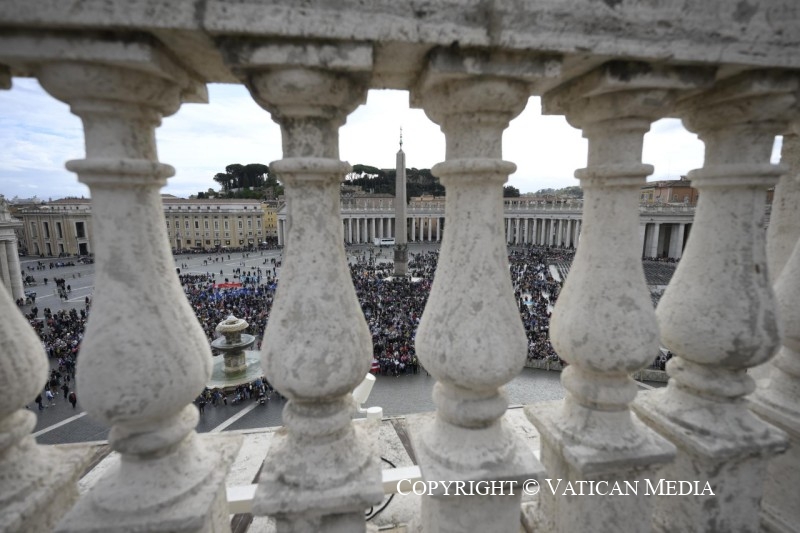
point(401, 231)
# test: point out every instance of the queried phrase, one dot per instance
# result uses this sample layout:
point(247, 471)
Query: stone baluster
point(779, 401)
point(37, 485)
point(718, 314)
point(144, 358)
point(784, 223)
point(322, 473)
point(603, 323)
point(470, 336)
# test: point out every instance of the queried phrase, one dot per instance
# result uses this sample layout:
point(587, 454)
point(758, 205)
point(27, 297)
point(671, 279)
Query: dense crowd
point(392, 308)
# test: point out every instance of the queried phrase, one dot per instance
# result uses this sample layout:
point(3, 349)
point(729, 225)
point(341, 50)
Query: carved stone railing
point(472, 67)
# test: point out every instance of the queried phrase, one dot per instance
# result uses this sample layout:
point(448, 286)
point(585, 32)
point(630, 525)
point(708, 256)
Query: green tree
point(509, 191)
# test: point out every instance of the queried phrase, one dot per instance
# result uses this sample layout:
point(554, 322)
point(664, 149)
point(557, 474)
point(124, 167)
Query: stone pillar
point(472, 299)
point(508, 230)
point(784, 223)
point(38, 484)
point(718, 314)
point(642, 238)
point(439, 229)
point(430, 228)
point(525, 231)
point(603, 323)
point(778, 401)
point(413, 229)
point(350, 230)
point(652, 246)
point(121, 372)
point(17, 287)
point(676, 241)
point(280, 233)
point(5, 271)
point(10, 270)
point(372, 229)
point(320, 473)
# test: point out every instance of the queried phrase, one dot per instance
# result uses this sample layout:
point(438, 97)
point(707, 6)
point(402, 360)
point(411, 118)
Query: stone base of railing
point(51, 496)
point(200, 508)
point(647, 374)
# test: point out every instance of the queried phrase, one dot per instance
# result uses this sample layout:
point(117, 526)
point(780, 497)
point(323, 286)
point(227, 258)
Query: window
point(196, 224)
point(227, 242)
point(205, 224)
point(249, 223)
point(168, 223)
point(34, 232)
point(240, 224)
point(186, 223)
point(226, 224)
point(47, 233)
point(216, 224)
point(59, 232)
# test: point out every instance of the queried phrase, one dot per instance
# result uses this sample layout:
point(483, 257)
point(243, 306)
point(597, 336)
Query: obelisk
point(400, 231)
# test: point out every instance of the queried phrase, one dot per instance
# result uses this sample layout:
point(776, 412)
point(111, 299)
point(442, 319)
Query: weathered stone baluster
point(470, 336)
point(718, 315)
point(784, 223)
point(779, 401)
point(322, 473)
point(37, 486)
point(144, 358)
point(603, 323)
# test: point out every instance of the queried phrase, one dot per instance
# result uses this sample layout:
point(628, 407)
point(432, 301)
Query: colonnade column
point(718, 314)
point(413, 229)
point(439, 229)
point(142, 364)
point(652, 246)
point(5, 271)
point(320, 473)
point(603, 323)
point(676, 241)
point(778, 400)
point(12, 253)
point(472, 297)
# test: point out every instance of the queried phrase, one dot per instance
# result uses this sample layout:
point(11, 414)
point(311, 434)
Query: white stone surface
point(778, 400)
point(471, 297)
point(321, 471)
point(719, 315)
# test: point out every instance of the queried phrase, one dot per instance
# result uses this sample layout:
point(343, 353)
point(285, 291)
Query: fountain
point(238, 365)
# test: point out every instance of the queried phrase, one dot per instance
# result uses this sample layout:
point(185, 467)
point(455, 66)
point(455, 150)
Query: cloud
point(38, 135)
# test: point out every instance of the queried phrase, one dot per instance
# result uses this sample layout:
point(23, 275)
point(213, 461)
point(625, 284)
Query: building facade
point(57, 229)
point(213, 224)
point(663, 230)
point(64, 227)
point(669, 192)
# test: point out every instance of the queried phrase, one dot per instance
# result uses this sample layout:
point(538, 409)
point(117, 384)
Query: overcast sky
point(38, 134)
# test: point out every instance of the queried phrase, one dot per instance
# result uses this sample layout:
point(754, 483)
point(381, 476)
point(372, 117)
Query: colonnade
point(560, 232)
point(10, 270)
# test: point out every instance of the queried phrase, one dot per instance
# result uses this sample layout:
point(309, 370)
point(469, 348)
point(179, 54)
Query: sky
point(38, 135)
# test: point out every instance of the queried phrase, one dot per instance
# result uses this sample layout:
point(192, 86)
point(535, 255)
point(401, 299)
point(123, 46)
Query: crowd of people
point(392, 308)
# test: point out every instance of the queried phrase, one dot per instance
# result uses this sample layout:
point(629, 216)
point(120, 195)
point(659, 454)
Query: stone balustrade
point(730, 72)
